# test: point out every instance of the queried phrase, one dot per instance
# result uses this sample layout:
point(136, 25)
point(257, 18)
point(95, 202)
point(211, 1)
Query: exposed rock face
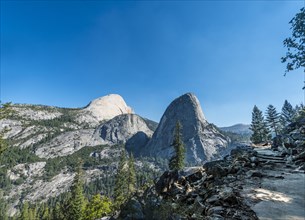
point(202, 140)
point(107, 107)
point(52, 132)
point(128, 128)
point(68, 143)
point(39, 112)
point(12, 127)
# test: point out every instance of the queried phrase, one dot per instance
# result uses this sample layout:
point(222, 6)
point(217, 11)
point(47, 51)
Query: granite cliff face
point(53, 137)
point(202, 140)
point(129, 129)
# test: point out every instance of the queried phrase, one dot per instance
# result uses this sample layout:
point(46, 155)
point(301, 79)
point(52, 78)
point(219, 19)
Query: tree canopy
point(295, 56)
point(177, 160)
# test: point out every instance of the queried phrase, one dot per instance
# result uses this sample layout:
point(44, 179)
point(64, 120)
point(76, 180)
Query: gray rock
point(107, 107)
point(202, 140)
point(68, 143)
point(128, 128)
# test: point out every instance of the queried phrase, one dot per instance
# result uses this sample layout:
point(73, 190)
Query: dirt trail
point(280, 193)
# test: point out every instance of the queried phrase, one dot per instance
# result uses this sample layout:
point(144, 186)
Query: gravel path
point(279, 194)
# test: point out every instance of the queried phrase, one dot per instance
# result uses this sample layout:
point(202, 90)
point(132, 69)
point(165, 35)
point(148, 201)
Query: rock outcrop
point(107, 107)
point(202, 140)
point(250, 183)
point(128, 128)
point(291, 143)
point(208, 192)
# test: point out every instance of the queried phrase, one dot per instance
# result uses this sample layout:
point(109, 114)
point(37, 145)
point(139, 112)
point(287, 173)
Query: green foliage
point(55, 165)
point(295, 56)
point(25, 215)
point(121, 184)
point(177, 160)
point(287, 115)
point(98, 207)
point(77, 201)
point(131, 176)
point(5, 111)
point(300, 113)
point(3, 207)
point(259, 127)
point(273, 119)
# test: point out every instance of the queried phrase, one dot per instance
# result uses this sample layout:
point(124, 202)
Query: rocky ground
point(249, 184)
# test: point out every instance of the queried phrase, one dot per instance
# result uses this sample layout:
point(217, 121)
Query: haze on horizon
point(67, 53)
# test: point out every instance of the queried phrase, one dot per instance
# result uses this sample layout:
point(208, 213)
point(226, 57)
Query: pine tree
point(287, 114)
point(259, 127)
point(57, 212)
point(177, 160)
point(121, 184)
point(45, 214)
point(5, 111)
point(25, 215)
point(77, 199)
point(98, 207)
point(33, 213)
point(132, 179)
point(3, 207)
point(273, 119)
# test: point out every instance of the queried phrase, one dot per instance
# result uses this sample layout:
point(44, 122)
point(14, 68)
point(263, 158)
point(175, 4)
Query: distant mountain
point(238, 129)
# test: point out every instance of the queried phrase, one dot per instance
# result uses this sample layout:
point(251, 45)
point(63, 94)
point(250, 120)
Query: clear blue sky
point(66, 53)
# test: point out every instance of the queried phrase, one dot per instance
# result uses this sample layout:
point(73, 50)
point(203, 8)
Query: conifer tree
point(98, 207)
point(5, 111)
point(121, 184)
point(57, 212)
point(33, 213)
point(3, 207)
point(177, 160)
point(25, 215)
point(287, 114)
point(259, 127)
point(45, 215)
point(273, 119)
point(77, 200)
point(132, 179)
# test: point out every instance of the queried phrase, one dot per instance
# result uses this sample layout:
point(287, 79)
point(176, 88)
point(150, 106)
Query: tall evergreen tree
point(3, 207)
point(132, 179)
point(77, 200)
point(57, 212)
point(45, 215)
point(25, 215)
point(177, 160)
point(273, 119)
point(5, 111)
point(121, 184)
point(259, 127)
point(287, 114)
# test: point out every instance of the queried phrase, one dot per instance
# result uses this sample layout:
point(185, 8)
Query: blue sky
point(66, 53)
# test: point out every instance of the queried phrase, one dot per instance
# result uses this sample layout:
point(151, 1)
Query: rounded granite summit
point(107, 107)
point(201, 139)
